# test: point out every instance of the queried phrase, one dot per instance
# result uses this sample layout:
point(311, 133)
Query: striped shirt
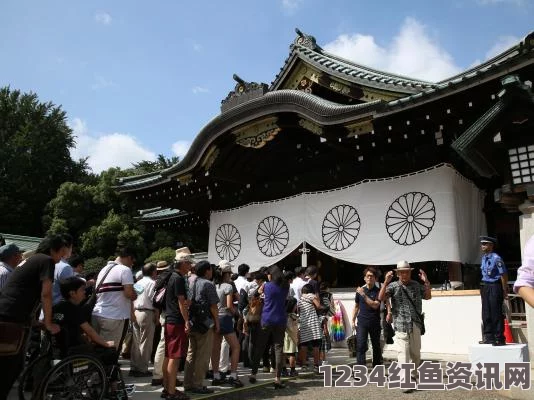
point(310, 325)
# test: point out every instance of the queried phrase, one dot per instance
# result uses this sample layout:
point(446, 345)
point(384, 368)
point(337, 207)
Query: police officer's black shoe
point(486, 342)
point(499, 343)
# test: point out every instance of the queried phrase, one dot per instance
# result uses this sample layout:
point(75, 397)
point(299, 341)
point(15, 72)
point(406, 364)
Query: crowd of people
point(198, 318)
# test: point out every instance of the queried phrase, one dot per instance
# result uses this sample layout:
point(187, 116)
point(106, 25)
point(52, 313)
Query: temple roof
point(327, 113)
point(347, 70)
point(315, 108)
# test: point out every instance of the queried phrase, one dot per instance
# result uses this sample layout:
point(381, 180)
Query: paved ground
point(308, 387)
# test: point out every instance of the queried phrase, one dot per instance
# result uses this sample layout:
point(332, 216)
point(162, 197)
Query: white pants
point(224, 360)
point(409, 347)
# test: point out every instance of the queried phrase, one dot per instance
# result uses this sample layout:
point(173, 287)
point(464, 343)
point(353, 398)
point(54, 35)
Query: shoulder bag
point(420, 316)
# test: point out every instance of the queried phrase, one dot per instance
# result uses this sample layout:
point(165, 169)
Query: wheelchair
point(74, 377)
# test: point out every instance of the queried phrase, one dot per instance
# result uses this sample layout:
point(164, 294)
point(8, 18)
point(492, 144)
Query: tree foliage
point(116, 230)
point(163, 254)
point(94, 264)
point(34, 159)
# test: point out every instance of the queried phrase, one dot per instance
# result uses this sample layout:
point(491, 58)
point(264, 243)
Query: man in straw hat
point(493, 291)
point(406, 297)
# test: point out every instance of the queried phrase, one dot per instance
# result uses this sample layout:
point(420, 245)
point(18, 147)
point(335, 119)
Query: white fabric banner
point(432, 215)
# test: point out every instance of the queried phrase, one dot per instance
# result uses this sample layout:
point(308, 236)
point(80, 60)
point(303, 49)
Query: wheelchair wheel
point(75, 377)
point(31, 377)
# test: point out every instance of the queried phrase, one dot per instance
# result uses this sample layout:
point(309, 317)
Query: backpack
point(160, 290)
point(255, 307)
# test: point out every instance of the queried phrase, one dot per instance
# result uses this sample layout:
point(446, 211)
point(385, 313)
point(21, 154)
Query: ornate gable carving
point(243, 92)
point(257, 134)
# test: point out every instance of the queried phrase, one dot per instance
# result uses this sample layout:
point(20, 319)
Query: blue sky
point(142, 78)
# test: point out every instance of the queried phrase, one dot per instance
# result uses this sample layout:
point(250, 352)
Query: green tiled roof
point(159, 213)
point(25, 243)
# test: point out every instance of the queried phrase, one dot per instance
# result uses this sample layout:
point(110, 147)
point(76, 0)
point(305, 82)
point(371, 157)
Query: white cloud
point(101, 83)
point(107, 150)
point(180, 148)
point(103, 18)
point(291, 6)
point(412, 53)
point(200, 89)
point(503, 43)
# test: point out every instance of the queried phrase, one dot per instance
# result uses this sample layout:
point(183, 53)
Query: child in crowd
point(328, 310)
point(291, 337)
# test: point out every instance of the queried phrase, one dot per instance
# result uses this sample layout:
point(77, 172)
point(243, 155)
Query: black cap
point(488, 239)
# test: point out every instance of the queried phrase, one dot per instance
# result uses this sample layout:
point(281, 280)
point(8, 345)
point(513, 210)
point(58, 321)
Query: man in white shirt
point(298, 282)
point(10, 257)
point(144, 324)
point(114, 298)
point(241, 282)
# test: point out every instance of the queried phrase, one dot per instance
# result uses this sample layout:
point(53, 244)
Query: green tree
point(161, 162)
point(163, 254)
point(112, 232)
point(34, 159)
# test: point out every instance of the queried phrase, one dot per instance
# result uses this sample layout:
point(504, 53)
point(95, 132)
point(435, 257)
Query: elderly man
point(203, 293)
point(493, 291)
point(144, 325)
point(10, 257)
point(406, 297)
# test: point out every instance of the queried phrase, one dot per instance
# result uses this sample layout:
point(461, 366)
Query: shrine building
point(340, 165)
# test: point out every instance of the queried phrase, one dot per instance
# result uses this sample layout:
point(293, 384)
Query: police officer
point(493, 291)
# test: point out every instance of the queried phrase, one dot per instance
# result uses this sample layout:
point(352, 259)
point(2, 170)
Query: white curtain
point(431, 215)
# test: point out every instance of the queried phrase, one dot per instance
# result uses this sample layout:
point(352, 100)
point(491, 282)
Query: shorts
point(226, 324)
point(312, 343)
point(175, 341)
point(290, 347)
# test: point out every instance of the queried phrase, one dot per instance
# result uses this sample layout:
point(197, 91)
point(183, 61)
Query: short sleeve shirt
point(366, 313)
point(62, 270)
point(176, 287)
point(492, 267)
point(404, 314)
point(223, 290)
point(111, 302)
point(70, 318)
point(22, 293)
point(205, 292)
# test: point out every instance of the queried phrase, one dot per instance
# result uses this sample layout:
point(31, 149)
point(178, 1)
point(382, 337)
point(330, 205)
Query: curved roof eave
point(314, 108)
point(349, 71)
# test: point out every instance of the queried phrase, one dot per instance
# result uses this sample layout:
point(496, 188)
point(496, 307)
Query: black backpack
point(160, 290)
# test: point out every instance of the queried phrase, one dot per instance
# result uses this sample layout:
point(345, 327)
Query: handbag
point(12, 336)
point(420, 316)
point(199, 314)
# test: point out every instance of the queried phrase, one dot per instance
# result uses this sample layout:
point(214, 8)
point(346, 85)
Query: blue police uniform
point(491, 291)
